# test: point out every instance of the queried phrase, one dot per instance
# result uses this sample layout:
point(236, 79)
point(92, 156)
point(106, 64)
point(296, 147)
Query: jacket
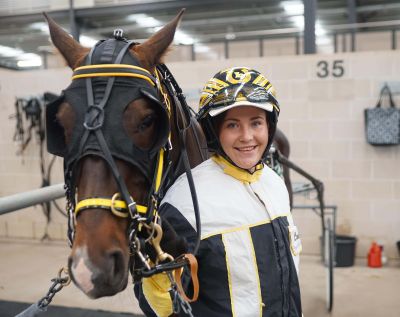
point(249, 251)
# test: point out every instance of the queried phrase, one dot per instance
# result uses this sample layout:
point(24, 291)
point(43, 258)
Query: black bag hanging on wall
point(382, 125)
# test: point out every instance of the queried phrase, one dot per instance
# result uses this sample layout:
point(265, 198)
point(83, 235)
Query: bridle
point(94, 119)
point(122, 204)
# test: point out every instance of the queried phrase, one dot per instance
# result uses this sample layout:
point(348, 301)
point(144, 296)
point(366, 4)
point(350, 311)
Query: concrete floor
point(26, 268)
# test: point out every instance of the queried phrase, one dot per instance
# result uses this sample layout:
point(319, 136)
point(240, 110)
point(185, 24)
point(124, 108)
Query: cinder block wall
point(322, 117)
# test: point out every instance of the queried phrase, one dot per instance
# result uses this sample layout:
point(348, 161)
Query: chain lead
point(178, 302)
point(58, 283)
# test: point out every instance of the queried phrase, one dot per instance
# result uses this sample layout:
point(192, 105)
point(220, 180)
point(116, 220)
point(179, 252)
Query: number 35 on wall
point(330, 68)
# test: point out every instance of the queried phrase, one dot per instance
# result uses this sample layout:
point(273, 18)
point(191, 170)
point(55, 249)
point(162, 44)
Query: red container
point(375, 255)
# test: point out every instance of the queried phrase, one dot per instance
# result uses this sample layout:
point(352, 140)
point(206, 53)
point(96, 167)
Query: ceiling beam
point(158, 7)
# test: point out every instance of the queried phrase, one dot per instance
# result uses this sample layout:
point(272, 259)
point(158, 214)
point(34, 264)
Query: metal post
point(226, 49)
point(297, 38)
point(335, 42)
point(344, 46)
point(394, 39)
point(31, 198)
point(44, 59)
point(193, 53)
point(352, 19)
point(72, 21)
point(261, 47)
point(310, 10)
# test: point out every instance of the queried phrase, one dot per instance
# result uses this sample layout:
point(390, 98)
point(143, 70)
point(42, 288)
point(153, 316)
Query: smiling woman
point(249, 251)
point(244, 136)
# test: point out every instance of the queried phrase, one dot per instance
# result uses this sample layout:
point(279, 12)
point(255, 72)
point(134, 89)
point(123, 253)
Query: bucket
point(345, 250)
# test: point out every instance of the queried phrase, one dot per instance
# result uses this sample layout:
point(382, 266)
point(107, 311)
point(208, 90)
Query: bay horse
point(281, 143)
point(119, 126)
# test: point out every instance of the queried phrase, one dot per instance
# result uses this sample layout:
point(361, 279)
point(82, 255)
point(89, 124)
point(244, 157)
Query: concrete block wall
point(322, 117)
point(19, 173)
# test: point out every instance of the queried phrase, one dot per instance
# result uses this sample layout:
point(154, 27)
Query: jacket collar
point(236, 172)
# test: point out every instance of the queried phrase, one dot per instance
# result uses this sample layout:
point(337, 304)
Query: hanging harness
point(99, 93)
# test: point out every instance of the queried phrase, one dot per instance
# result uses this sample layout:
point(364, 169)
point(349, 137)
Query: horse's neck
point(185, 128)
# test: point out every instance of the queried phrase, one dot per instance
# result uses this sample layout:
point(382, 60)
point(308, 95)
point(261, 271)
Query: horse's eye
point(146, 123)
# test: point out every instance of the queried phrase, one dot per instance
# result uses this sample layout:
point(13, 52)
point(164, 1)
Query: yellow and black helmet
point(233, 87)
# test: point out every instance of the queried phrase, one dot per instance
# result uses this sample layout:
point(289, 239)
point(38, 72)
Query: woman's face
point(243, 135)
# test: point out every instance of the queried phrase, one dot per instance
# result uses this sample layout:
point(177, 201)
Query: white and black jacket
point(248, 256)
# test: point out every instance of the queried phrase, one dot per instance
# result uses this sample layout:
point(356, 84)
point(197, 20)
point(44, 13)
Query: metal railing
point(31, 198)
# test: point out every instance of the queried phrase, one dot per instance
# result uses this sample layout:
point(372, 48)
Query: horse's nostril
point(116, 259)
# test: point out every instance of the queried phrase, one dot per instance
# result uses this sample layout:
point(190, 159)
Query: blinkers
point(99, 94)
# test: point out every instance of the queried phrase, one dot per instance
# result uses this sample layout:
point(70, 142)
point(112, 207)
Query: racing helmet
point(233, 87)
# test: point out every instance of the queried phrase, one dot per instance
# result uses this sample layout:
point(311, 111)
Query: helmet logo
point(238, 75)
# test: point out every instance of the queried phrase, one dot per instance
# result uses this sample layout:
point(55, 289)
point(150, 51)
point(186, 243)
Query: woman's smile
point(244, 135)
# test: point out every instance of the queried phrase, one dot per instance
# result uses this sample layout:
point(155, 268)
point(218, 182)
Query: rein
point(173, 89)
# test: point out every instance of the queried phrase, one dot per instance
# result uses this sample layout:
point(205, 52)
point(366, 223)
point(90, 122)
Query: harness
point(113, 77)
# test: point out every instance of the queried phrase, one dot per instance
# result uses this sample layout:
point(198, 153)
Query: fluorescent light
point(201, 48)
point(32, 63)
point(147, 21)
point(206, 50)
point(319, 29)
point(230, 36)
point(293, 7)
point(144, 20)
point(7, 51)
point(298, 21)
point(183, 38)
point(41, 26)
point(87, 41)
point(29, 60)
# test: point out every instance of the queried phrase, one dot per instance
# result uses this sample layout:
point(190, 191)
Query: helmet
point(233, 87)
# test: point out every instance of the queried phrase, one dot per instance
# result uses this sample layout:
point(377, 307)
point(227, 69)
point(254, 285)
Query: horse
point(281, 143)
point(122, 127)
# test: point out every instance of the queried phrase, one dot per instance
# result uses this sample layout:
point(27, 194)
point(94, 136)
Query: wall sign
point(333, 68)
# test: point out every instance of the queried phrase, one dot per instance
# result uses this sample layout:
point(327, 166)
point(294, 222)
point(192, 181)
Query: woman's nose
point(246, 134)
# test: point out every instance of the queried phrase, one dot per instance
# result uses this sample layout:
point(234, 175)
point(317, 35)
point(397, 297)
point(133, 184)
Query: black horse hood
point(109, 116)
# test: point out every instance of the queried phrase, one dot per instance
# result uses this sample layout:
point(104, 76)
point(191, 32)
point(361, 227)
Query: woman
point(248, 255)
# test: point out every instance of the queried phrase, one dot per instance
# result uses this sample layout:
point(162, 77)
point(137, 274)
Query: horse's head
point(111, 127)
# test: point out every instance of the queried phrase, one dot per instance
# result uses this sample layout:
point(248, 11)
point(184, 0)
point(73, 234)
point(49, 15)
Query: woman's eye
point(146, 123)
point(231, 125)
point(257, 123)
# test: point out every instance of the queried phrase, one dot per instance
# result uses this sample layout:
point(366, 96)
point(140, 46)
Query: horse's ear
point(68, 47)
point(152, 50)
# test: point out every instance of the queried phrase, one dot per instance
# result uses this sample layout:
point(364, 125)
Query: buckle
point(118, 34)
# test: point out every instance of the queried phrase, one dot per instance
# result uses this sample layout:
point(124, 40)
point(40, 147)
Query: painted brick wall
point(322, 117)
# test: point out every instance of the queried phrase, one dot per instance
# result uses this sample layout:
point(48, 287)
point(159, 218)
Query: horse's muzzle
point(107, 277)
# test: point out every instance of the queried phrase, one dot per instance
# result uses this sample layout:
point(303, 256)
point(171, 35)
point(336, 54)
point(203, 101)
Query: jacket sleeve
point(153, 296)
point(153, 292)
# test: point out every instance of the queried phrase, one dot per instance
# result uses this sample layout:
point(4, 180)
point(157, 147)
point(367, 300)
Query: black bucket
point(345, 250)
